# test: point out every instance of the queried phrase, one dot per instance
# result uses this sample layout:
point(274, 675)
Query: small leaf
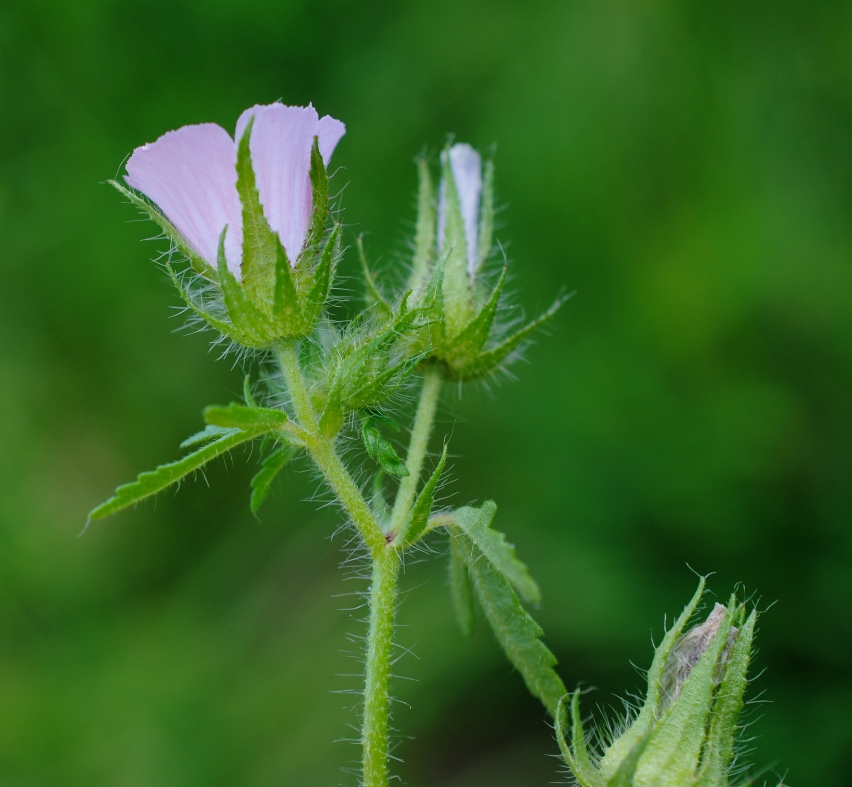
point(419, 517)
point(271, 466)
point(380, 450)
point(149, 483)
point(461, 587)
point(518, 634)
point(240, 416)
point(207, 434)
point(476, 523)
point(172, 233)
point(259, 242)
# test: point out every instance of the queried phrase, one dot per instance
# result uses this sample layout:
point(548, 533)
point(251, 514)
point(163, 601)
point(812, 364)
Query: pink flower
point(191, 175)
point(466, 169)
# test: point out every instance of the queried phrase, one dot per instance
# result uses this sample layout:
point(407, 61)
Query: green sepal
point(240, 416)
point(424, 235)
point(419, 517)
point(486, 213)
point(286, 303)
point(151, 482)
point(458, 307)
point(259, 242)
point(470, 341)
point(172, 233)
point(518, 634)
point(476, 524)
point(272, 464)
point(488, 361)
point(461, 587)
point(323, 276)
point(674, 746)
point(319, 188)
point(576, 755)
point(619, 750)
point(372, 294)
point(220, 325)
point(719, 746)
point(380, 449)
point(250, 326)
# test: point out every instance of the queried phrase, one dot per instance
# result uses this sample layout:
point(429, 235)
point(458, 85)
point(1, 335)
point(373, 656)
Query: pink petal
point(466, 166)
point(191, 175)
point(281, 142)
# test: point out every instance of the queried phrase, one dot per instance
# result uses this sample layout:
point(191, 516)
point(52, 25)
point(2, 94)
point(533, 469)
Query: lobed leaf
point(476, 524)
point(518, 634)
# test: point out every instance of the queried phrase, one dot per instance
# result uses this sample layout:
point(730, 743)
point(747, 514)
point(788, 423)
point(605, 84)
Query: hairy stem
point(325, 455)
point(374, 727)
point(420, 433)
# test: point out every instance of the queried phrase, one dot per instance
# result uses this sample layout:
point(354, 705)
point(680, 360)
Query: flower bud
point(250, 216)
point(450, 251)
point(684, 733)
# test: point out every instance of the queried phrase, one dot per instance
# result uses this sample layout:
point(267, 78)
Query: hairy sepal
point(576, 755)
point(458, 306)
point(424, 236)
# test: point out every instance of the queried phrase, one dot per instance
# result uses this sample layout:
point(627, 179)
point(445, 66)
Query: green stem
point(374, 727)
point(420, 433)
point(325, 456)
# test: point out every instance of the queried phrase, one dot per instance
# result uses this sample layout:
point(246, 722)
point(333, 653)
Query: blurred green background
point(687, 168)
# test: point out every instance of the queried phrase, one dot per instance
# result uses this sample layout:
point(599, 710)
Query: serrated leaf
point(419, 517)
point(241, 416)
point(518, 634)
point(380, 449)
point(476, 523)
point(261, 483)
point(172, 232)
point(259, 242)
point(576, 755)
point(424, 236)
point(461, 588)
point(149, 483)
point(207, 434)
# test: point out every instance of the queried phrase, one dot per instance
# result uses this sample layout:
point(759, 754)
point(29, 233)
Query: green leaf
point(149, 483)
point(424, 236)
point(172, 233)
point(380, 450)
point(271, 466)
point(518, 634)
point(461, 587)
point(419, 517)
point(241, 416)
point(259, 242)
point(476, 523)
point(207, 434)
point(576, 755)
